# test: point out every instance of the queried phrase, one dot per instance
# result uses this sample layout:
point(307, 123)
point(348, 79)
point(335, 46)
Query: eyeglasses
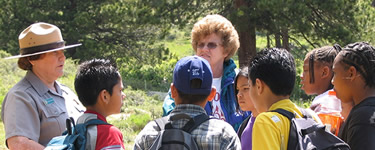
point(210, 45)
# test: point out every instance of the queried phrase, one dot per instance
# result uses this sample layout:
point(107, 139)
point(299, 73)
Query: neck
point(217, 70)
point(48, 82)
point(366, 92)
point(98, 110)
point(271, 99)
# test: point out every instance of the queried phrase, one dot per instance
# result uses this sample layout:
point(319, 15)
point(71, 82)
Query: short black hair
point(192, 98)
point(361, 55)
point(276, 68)
point(92, 77)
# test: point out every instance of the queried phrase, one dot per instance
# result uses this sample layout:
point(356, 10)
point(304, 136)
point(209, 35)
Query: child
point(99, 88)
point(354, 81)
point(317, 75)
point(316, 80)
point(244, 101)
point(272, 76)
point(191, 89)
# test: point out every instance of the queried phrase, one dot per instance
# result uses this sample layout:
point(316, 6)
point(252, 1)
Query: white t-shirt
point(217, 111)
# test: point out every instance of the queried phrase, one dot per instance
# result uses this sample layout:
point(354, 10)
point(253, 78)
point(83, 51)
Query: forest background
point(147, 37)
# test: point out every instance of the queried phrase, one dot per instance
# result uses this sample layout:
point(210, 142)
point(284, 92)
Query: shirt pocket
point(54, 110)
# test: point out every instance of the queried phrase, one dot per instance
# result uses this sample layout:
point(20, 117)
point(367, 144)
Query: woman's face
point(340, 81)
point(50, 66)
point(211, 48)
point(243, 94)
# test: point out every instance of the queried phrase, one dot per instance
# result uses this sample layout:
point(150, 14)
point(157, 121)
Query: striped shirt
point(213, 134)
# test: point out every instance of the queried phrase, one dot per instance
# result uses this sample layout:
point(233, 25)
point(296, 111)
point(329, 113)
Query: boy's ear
point(104, 96)
point(259, 85)
point(212, 94)
point(174, 92)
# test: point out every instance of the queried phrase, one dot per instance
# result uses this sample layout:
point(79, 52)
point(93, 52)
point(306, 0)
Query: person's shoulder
point(219, 128)
point(64, 88)
point(112, 130)
point(217, 124)
point(271, 118)
point(20, 86)
point(151, 128)
point(364, 114)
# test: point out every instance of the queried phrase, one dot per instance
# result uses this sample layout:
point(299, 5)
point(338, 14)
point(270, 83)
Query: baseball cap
point(189, 68)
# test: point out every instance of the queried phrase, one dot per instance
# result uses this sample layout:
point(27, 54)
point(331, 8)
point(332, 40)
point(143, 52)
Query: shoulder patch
point(275, 118)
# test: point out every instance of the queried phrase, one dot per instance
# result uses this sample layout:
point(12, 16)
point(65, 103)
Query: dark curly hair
point(276, 68)
point(360, 55)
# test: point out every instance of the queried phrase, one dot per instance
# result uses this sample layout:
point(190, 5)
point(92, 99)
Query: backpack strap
point(164, 123)
point(95, 122)
point(160, 122)
point(195, 122)
point(293, 137)
point(243, 126)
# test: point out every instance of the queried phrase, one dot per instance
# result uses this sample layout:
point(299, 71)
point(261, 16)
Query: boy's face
point(116, 98)
point(255, 97)
point(311, 88)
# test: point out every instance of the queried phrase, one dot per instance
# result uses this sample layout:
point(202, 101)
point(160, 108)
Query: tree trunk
point(285, 37)
point(278, 40)
point(268, 41)
point(246, 32)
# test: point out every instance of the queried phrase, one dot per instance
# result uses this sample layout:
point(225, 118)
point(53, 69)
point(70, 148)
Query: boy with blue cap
point(191, 89)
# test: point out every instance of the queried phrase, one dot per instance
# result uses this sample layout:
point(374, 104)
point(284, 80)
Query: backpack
point(177, 138)
point(306, 134)
point(74, 138)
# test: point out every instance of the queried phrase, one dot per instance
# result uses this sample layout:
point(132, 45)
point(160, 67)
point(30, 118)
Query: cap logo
point(195, 72)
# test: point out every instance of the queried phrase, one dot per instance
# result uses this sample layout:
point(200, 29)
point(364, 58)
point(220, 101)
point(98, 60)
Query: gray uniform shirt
point(32, 110)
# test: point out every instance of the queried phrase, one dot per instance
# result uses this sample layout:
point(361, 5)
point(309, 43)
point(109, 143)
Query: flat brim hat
point(40, 38)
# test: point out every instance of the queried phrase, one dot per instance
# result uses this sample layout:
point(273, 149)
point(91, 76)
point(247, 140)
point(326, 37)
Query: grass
point(2, 136)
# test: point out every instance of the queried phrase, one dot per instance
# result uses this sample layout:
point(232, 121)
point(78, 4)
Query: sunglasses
point(210, 45)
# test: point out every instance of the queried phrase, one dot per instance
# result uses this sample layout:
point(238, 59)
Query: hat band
point(40, 48)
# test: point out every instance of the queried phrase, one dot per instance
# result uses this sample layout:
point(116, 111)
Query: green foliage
point(155, 77)
point(138, 121)
point(107, 29)
point(317, 20)
point(2, 136)
point(138, 110)
point(366, 21)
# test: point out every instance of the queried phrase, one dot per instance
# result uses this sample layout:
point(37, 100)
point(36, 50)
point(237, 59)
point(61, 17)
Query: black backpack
point(306, 134)
point(74, 138)
point(177, 138)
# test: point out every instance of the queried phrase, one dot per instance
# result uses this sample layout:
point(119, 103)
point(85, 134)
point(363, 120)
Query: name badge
point(48, 101)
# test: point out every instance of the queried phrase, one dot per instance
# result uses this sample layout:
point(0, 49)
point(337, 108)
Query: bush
point(155, 77)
